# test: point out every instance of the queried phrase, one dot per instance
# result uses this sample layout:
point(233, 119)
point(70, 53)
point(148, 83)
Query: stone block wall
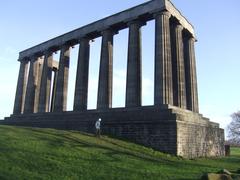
point(170, 130)
point(197, 140)
point(157, 135)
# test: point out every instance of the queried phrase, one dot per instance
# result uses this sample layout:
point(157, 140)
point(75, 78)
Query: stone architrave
point(104, 100)
point(60, 98)
point(81, 87)
point(178, 69)
point(21, 87)
point(45, 89)
point(190, 74)
point(31, 87)
point(134, 65)
point(163, 89)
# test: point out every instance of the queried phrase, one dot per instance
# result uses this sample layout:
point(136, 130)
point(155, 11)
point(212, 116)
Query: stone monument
point(172, 125)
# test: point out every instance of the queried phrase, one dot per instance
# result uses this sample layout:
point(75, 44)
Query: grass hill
point(32, 153)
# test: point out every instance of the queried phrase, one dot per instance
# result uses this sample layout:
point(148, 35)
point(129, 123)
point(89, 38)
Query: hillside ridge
point(34, 153)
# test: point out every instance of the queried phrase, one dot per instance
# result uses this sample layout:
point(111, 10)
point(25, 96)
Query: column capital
point(179, 26)
point(161, 13)
point(137, 22)
point(24, 59)
point(109, 30)
point(33, 57)
point(47, 52)
point(84, 39)
point(65, 47)
point(189, 36)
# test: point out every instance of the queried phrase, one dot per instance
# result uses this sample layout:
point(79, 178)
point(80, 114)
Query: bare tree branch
point(234, 128)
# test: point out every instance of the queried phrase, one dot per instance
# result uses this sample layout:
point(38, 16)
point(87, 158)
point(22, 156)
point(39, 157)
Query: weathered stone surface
point(45, 89)
point(60, 102)
point(39, 67)
point(178, 70)
point(167, 129)
point(81, 87)
point(163, 89)
point(191, 74)
point(213, 176)
point(21, 88)
point(134, 66)
point(224, 171)
point(104, 99)
point(31, 87)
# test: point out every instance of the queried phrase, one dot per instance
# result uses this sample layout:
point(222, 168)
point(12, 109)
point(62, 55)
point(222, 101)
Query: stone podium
point(172, 125)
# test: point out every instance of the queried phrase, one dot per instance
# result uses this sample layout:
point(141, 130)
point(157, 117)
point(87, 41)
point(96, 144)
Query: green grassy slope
point(32, 153)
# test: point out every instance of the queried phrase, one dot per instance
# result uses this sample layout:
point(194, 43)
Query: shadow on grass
point(122, 150)
point(115, 151)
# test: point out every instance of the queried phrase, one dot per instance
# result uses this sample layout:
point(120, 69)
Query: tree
point(234, 128)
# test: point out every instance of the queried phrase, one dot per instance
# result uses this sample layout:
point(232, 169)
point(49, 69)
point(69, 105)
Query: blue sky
point(27, 23)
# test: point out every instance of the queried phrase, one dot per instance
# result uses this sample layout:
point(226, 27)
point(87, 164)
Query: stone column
point(190, 73)
point(39, 67)
point(81, 87)
point(60, 102)
point(21, 87)
point(45, 88)
point(104, 100)
point(134, 66)
point(163, 90)
point(31, 86)
point(179, 88)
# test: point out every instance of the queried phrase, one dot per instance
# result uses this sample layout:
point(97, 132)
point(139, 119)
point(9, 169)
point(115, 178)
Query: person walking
point(98, 127)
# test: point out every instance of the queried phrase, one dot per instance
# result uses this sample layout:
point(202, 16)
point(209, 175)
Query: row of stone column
point(175, 65)
point(175, 72)
point(42, 83)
